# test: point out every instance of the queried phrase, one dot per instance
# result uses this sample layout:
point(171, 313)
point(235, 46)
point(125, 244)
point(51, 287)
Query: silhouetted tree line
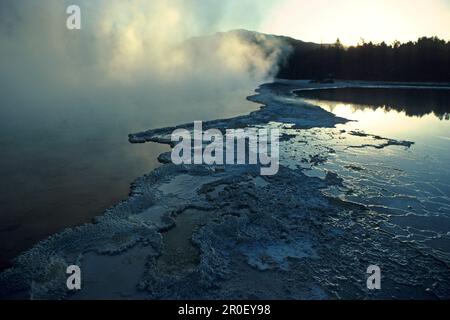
point(427, 59)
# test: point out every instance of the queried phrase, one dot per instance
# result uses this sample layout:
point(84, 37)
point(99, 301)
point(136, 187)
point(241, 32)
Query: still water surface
point(408, 187)
point(65, 161)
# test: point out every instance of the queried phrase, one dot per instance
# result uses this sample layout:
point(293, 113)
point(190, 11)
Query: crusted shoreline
point(243, 235)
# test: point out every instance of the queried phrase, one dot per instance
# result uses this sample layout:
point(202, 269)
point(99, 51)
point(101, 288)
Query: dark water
point(413, 102)
point(409, 188)
point(65, 160)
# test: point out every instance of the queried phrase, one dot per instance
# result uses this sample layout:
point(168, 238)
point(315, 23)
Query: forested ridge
point(427, 59)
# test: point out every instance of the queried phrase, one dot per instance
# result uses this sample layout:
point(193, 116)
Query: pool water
point(408, 187)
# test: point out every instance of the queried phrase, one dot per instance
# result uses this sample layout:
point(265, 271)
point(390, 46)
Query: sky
point(350, 20)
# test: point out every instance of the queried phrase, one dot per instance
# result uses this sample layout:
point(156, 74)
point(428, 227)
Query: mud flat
point(220, 232)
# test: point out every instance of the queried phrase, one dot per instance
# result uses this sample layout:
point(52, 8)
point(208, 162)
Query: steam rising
point(139, 45)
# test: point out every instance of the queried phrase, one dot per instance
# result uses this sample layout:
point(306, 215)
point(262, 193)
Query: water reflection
point(408, 188)
point(413, 102)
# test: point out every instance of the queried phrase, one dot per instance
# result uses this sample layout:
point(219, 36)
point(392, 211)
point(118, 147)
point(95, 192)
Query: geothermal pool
point(408, 187)
point(66, 161)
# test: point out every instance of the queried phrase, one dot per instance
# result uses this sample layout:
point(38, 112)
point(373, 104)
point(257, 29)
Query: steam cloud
point(140, 46)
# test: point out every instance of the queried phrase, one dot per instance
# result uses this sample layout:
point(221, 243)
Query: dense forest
point(427, 59)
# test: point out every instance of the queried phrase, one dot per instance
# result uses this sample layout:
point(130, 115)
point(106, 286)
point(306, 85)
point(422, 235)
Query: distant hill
point(256, 38)
point(252, 48)
point(427, 59)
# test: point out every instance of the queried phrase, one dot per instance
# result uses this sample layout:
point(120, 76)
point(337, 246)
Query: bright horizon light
point(352, 20)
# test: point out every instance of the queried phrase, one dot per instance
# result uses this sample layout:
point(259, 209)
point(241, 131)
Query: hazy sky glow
point(350, 20)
